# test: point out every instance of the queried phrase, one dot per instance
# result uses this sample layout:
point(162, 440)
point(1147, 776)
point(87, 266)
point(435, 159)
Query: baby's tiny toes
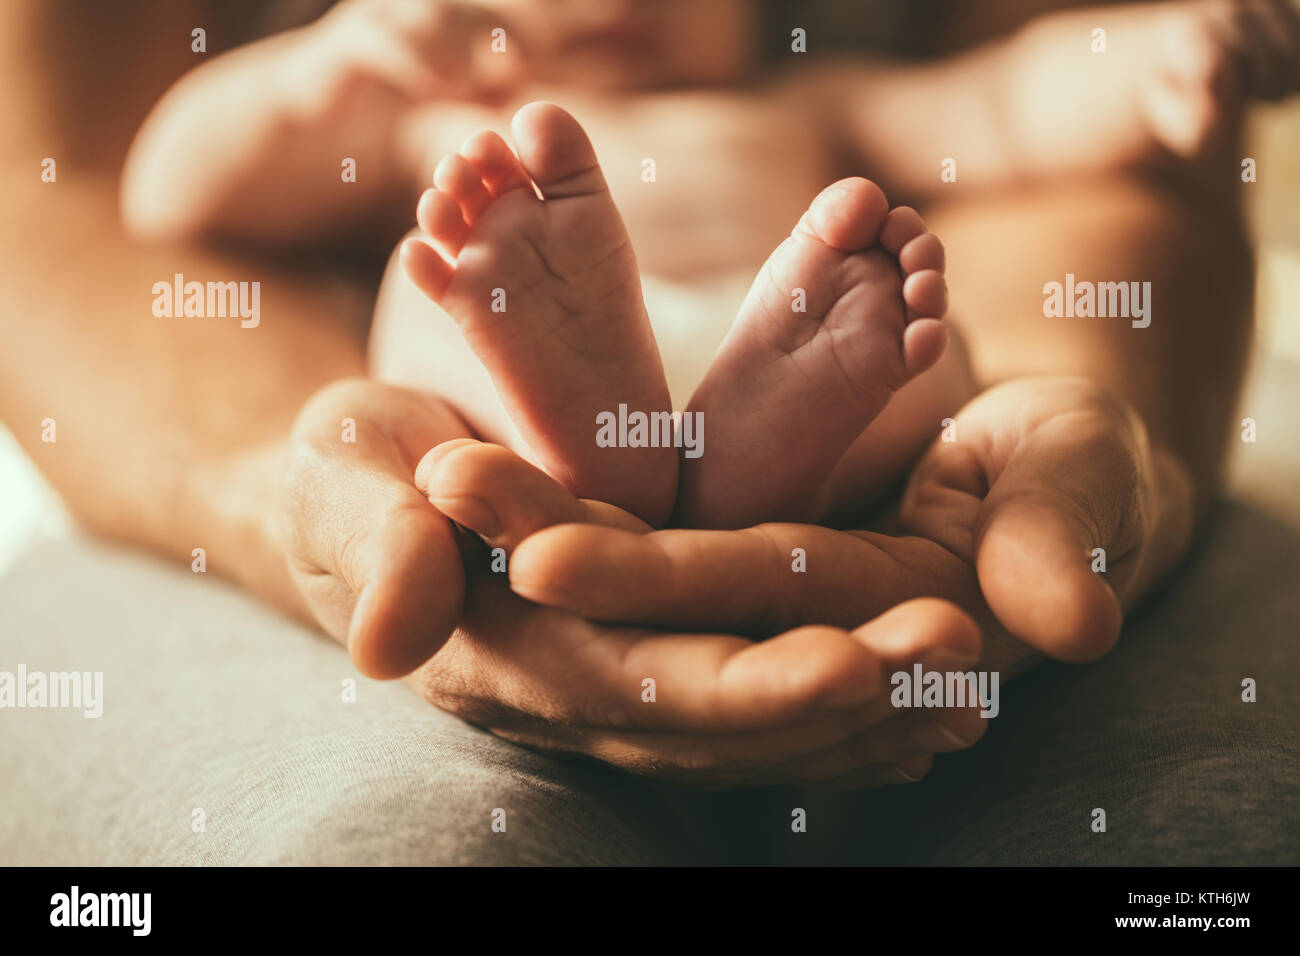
point(923, 252)
point(926, 293)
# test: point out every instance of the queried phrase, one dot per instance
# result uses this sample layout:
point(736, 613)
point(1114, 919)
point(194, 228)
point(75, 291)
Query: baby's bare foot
point(843, 314)
point(547, 294)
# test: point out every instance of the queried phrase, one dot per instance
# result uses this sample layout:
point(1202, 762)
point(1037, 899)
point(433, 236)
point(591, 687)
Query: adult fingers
point(1053, 493)
point(759, 580)
point(379, 567)
point(940, 639)
point(844, 734)
point(504, 499)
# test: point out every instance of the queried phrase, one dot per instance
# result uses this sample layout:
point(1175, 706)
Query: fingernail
point(850, 696)
point(546, 596)
point(473, 513)
point(898, 769)
point(429, 463)
point(934, 737)
point(441, 451)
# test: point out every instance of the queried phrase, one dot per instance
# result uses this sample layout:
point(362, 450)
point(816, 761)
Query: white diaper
point(690, 322)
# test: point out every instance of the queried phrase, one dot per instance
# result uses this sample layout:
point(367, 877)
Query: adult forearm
point(167, 431)
point(1182, 250)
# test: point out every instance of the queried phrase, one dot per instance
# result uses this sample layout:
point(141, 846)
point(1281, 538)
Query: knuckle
point(320, 410)
point(451, 689)
point(780, 611)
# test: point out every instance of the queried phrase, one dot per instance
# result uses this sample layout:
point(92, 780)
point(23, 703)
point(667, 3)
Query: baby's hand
point(421, 49)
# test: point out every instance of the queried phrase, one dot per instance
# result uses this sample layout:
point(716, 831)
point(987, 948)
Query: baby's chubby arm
point(986, 117)
point(252, 144)
point(1074, 91)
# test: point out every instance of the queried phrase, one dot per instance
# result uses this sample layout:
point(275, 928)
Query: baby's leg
point(873, 469)
point(843, 314)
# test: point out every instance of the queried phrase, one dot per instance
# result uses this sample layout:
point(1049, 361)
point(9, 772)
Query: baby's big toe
point(556, 152)
point(846, 215)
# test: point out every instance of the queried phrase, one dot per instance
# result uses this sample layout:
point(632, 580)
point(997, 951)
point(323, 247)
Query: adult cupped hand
point(385, 571)
point(1046, 515)
point(707, 705)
